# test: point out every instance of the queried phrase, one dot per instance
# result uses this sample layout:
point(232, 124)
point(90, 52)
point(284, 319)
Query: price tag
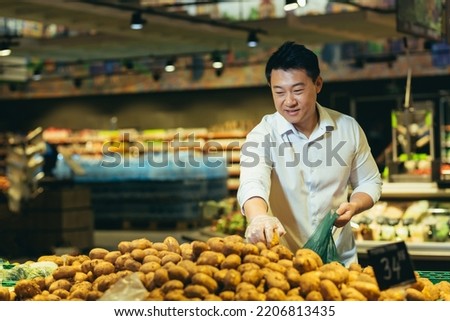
point(392, 265)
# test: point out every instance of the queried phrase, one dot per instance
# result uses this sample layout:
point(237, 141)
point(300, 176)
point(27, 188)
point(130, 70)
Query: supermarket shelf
point(411, 190)
point(417, 250)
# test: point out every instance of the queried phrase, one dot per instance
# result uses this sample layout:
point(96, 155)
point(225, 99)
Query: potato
point(250, 295)
point(93, 295)
point(63, 294)
point(161, 277)
point(199, 247)
point(175, 295)
point(124, 247)
point(293, 277)
point(172, 285)
point(261, 261)
point(314, 296)
point(64, 272)
point(178, 273)
point(104, 282)
point(4, 294)
point(26, 289)
point(431, 292)
point(369, 290)
point(172, 244)
point(207, 269)
point(97, 253)
point(103, 268)
point(81, 285)
point(52, 258)
point(232, 280)
point(309, 281)
point(171, 257)
point(329, 290)
point(249, 248)
point(232, 261)
point(232, 247)
point(227, 295)
point(275, 267)
point(311, 253)
point(335, 272)
point(393, 294)
point(60, 284)
point(187, 252)
point(283, 252)
point(205, 280)
point(138, 254)
point(305, 263)
point(196, 291)
point(190, 266)
point(210, 258)
point(141, 243)
point(80, 276)
point(247, 266)
point(151, 258)
point(160, 246)
point(276, 279)
point(351, 294)
point(212, 297)
point(216, 244)
point(271, 255)
point(253, 276)
point(112, 256)
point(275, 294)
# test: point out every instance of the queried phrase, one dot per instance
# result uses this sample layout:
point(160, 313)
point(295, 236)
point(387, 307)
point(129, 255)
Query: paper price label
point(392, 265)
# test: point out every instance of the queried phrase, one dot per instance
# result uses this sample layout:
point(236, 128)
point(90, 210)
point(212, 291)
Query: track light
point(37, 73)
point(252, 40)
point(216, 60)
point(170, 65)
point(137, 22)
point(290, 5)
point(294, 4)
point(4, 49)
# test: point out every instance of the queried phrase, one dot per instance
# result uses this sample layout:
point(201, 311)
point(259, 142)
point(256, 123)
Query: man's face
point(294, 95)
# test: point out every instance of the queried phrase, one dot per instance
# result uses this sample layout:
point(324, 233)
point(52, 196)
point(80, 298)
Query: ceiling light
point(216, 60)
point(4, 49)
point(37, 73)
point(252, 40)
point(137, 22)
point(301, 3)
point(290, 5)
point(170, 65)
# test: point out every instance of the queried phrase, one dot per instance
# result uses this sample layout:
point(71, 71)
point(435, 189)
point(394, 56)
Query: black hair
point(291, 55)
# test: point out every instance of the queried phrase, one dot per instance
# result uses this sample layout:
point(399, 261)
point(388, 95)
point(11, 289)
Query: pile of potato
point(222, 268)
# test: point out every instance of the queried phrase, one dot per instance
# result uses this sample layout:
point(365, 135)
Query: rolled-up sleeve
point(255, 167)
point(365, 176)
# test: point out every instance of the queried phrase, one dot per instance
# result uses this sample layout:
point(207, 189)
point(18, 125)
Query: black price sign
point(392, 265)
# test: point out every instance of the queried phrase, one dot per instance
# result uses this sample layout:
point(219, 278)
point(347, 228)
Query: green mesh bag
point(322, 242)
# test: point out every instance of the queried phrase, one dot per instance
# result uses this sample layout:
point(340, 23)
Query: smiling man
point(298, 163)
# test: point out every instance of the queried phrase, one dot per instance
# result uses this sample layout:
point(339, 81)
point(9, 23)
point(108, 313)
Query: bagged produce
point(322, 242)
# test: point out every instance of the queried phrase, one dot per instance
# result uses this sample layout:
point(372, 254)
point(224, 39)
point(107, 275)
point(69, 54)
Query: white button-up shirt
point(303, 178)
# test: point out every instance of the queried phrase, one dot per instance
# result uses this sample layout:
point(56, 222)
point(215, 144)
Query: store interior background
point(369, 93)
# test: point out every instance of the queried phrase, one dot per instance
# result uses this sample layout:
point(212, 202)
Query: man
point(299, 162)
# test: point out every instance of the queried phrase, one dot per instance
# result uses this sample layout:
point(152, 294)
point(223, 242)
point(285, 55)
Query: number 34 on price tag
point(392, 265)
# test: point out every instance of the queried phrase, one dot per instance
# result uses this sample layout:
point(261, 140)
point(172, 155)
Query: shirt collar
point(326, 123)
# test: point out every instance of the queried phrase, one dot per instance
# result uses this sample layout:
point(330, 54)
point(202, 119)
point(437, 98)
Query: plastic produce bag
point(322, 242)
point(129, 288)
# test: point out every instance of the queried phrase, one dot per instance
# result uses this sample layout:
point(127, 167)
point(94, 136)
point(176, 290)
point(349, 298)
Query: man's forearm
point(255, 206)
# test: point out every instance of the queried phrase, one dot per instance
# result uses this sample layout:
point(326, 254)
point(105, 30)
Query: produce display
point(220, 268)
point(418, 221)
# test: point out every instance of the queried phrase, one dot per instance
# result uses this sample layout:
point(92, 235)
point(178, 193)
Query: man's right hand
point(261, 228)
